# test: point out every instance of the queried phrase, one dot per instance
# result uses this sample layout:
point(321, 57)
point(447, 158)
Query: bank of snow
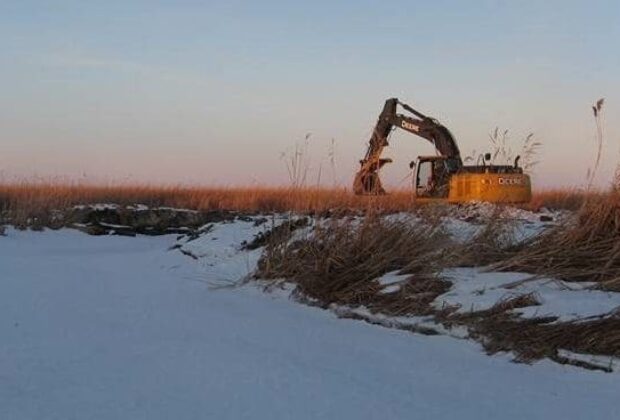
point(127, 328)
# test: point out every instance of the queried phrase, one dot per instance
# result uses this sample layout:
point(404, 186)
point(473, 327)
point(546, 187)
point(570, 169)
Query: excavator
point(442, 177)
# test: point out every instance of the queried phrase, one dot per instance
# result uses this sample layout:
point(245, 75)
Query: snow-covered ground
point(111, 327)
point(475, 290)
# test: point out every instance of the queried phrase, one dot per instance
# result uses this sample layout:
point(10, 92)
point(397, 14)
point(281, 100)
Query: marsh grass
point(339, 262)
point(584, 248)
point(29, 201)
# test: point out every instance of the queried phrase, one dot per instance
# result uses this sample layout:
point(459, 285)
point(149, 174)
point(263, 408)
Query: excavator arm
point(367, 179)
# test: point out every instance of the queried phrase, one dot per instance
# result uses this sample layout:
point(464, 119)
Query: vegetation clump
point(341, 262)
point(584, 248)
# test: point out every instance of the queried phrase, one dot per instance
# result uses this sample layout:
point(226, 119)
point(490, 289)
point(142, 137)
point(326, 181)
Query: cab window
point(424, 178)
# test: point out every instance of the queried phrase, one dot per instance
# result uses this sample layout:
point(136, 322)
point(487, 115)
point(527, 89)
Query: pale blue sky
point(213, 92)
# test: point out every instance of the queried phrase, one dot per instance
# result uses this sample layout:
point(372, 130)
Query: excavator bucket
point(367, 184)
point(367, 181)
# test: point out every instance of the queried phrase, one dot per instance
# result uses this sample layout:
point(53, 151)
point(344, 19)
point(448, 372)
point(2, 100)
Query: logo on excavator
point(409, 126)
point(510, 181)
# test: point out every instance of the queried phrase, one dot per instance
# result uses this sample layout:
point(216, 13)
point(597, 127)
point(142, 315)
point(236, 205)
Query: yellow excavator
point(443, 177)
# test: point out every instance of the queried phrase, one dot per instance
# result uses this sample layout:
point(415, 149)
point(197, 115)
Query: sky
point(222, 93)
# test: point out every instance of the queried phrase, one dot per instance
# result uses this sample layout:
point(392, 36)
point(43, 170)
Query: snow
point(97, 206)
point(595, 360)
point(111, 327)
point(465, 222)
point(460, 230)
point(483, 210)
point(136, 207)
point(392, 281)
point(475, 290)
point(220, 249)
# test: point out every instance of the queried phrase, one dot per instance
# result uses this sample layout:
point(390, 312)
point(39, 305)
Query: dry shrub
point(586, 248)
point(340, 261)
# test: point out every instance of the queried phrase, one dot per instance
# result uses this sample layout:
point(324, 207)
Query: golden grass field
point(35, 198)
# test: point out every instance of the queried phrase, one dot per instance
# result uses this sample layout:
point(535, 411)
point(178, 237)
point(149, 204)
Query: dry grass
point(537, 338)
point(492, 243)
point(562, 199)
point(500, 330)
point(35, 200)
point(341, 260)
point(586, 248)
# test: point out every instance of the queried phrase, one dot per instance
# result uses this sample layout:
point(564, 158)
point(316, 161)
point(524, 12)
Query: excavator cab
point(432, 176)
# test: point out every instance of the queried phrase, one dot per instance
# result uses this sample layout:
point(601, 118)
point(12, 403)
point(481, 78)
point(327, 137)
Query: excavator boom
point(367, 179)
